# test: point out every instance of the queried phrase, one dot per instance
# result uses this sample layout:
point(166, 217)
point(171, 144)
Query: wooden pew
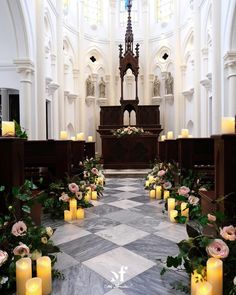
point(162, 151)
point(171, 150)
point(89, 150)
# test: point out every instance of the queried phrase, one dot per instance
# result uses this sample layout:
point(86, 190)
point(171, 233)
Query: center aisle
point(118, 244)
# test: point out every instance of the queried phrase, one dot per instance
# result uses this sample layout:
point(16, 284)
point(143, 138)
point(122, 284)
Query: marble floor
point(116, 249)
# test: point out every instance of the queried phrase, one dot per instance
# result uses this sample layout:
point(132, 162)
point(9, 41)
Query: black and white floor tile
point(115, 249)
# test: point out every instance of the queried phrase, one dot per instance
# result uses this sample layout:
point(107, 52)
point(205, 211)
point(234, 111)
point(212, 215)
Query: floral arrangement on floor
point(20, 237)
point(128, 131)
point(195, 252)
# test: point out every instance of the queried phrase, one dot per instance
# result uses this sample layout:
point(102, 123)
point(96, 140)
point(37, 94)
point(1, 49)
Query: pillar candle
point(215, 275)
point(184, 133)
point(171, 204)
point(34, 286)
point(204, 289)
point(87, 197)
point(72, 138)
point(63, 135)
point(67, 215)
point(8, 128)
point(78, 136)
point(179, 136)
point(158, 192)
point(184, 210)
point(173, 214)
point(228, 125)
point(73, 208)
point(196, 278)
point(170, 135)
point(44, 271)
point(163, 137)
point(94, 195)
point(80, 213)
point(166, 194)
point(23, 274)
point(152, 194)
point(90, 138)
point(147, 183)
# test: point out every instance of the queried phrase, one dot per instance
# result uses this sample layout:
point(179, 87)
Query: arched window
point(164, 10)
point(124, 14)
point(93, 12)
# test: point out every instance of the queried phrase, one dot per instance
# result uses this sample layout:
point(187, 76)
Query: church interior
point(118, 147)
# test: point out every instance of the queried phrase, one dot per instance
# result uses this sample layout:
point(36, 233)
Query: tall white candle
point(44, 271)
point(215, 275)
point(73, 207)
point(34, 286)
point(23, 274)
point(90, 138)
point(158, 192)
point(170, 204)
point(228, 125)
point(184, 133)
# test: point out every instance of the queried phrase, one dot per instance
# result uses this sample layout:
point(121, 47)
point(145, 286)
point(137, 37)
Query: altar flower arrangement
point(128, 131)
point(20, 237)
point(195, 251)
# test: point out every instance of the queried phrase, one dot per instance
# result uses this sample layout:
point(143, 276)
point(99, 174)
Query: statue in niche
point(89, 87)
point(156, 87)
point(169, 83)
point(102, 88)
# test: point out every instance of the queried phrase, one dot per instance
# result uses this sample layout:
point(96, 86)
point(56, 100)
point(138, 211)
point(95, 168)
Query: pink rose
point(64, 197)
point(217, 249)
point(193, 200)
point(161, 173)
point(183, 190)
point(211, 218)
point(73, 187)
point(3, 257)
point(167, 185)
point(94, 171)
point(19, 229)
point(21, 250)
point(93, 187)
point(228, 233)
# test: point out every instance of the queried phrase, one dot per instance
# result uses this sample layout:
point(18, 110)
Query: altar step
point(125, 173)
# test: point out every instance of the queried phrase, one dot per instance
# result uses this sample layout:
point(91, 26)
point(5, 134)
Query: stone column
point(230, 69)
point(40, 70)
point(5, 104)
point(216, 66)
point(76, 92)
point(27, 103)
point(146, 22)
point(113, 97)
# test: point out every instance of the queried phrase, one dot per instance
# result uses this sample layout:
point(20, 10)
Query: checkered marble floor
point(114, 250)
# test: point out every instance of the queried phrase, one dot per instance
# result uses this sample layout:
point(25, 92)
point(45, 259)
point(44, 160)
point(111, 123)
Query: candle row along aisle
point(79, 136)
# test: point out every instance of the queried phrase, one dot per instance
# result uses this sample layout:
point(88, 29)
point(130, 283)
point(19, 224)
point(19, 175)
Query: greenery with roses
point(128, 131)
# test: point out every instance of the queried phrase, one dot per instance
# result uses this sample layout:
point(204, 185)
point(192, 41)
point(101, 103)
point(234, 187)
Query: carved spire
point(129, 38)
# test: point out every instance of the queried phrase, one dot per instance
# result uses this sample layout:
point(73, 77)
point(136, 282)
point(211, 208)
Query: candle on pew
point(179, 136)
point(80, 136)
point(163, 137)
point(228, 125)
point(73, 208)
point(204, 289)
point(90, 139)
point(173, 214)
point(215, 275)
point(8, 128)
point(63, 135)
point(72, 138)
point(44, 271)
point(158, 192)
point(80, 213)
point(23, 274)
point(34, 286)
point(166, 194)
point(152, 194)
point(170, 135)
point(184, 133)
point(67, 215)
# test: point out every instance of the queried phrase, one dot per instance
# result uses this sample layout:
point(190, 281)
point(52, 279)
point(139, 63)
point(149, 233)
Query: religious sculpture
point(102, 88)
point(89, 87)
point(169, 83)
point(156, 87)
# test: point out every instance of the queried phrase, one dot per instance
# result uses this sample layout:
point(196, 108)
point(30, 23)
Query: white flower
point(3, 280)
point(3, 257)
point(193, 200)
point(49, 231)
point(234, 281)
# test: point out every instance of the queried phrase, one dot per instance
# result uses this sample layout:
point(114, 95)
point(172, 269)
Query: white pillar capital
point(25, 68)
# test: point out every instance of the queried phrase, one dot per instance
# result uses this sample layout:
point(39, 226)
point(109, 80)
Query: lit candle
point(72, 138)
point(170, 204)
point(34, 286)
point(23, 274)
point(94, 195)
point(8, 128)
point(63, 135)
point(158, 192)
point(196, 278)
point(79, 136)
point(204, 289)
point(152, 194)
point(184, 209)
point(173, 214)
point(87, 197)
point(147, 183)
point(44, 271)
point(73, 207)
point(80, 213)
point(67, 215)
point(184, 133)
point(215, 275)
point(166, 194)
point(90, 138)
point(190, 136)
point(163, 138)
point(228, 125)
point(170, 135)
point(179, 136)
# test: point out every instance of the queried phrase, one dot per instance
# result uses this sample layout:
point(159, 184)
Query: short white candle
point(228, 125)
point(173, 214)
point(87, 197)
point(94, 195)
point(163, 137)
point(215, 275)
point(67, 215)
point(184, 133)
point(170, 135)
point(152, 194)
point(80, 213)
point(204, 289)
point(44, 271)
point(63, 135)
point(72, 138)
point(23, 274)
point(158, 192)
point(8, 128)
point(196, 278)
point(34, 286)
point(90, 138)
